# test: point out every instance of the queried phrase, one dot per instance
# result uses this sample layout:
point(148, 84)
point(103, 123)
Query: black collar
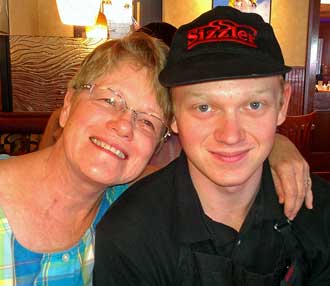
point(189, 223)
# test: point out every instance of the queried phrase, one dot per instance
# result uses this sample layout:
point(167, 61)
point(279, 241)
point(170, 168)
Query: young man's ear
point(65, 112)
point(285, 103)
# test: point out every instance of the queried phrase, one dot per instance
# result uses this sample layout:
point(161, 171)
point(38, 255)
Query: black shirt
point(156, 233)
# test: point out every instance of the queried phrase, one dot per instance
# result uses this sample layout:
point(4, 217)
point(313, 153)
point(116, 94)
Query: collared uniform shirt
point(158, 234)
point(21, 267)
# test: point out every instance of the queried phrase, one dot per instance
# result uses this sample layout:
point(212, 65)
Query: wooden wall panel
point(297, 79)
point(41, 68)
point(0, 96)
point(324, 33)
point(320, 155)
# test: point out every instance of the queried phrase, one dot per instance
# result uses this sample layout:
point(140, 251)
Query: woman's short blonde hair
point(142, 49)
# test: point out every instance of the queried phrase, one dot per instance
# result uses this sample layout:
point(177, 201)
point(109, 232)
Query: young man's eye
point(255, 105)
point(204, 108)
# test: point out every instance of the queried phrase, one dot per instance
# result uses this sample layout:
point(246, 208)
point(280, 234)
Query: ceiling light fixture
point(100, 29)
point(78, 12)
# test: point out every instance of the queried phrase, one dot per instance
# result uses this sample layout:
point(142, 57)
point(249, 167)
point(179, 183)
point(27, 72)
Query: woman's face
point(103, 141)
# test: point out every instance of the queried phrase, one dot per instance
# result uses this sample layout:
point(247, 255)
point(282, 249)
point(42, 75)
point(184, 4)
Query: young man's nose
point(229, 129)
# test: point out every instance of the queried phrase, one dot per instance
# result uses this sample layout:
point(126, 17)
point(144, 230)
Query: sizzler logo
point(222, 31)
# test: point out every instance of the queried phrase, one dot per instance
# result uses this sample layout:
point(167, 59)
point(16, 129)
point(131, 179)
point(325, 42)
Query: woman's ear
point(174, 126)
point(65, 112)
point(284, 104)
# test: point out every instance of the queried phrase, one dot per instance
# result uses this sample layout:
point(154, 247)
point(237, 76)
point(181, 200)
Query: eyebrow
point(263, 90)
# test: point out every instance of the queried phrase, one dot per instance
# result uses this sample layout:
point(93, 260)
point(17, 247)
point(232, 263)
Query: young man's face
point(227, 127)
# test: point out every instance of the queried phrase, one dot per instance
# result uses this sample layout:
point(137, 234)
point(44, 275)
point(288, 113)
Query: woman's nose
point(122, 124)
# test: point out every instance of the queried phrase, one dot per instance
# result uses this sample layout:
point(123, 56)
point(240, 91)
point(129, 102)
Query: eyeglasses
point(146, 123)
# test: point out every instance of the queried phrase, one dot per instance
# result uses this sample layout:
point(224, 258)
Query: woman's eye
point(148, 124)
point(204, 108)
point(110, 101)
point(255, 105)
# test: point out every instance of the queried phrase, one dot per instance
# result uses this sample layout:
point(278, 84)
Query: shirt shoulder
point(321, 193)
point(131, 221)
point(136, 232)
point(141, 200)
point(4, 156)
point(111, 194)
point(313, 226)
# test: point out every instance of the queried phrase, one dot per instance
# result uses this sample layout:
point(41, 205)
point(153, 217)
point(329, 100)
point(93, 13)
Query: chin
point(233, 180)
point(231, 183)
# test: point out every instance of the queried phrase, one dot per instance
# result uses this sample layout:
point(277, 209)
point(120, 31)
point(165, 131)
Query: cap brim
point(214, 67)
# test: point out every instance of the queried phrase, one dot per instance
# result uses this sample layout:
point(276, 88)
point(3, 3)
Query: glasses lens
point(109, 98)
point(146, 123)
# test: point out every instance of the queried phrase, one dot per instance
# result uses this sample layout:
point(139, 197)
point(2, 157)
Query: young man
point(212, 217)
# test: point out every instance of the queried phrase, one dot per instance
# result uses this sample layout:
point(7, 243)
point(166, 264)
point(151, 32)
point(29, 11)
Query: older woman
point(114, 116)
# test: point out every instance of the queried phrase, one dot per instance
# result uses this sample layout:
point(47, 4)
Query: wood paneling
point(321, 101)
point(325, 11)
point(324, 33)
point(41, 68)
point(312, 45)
point(297, 79)
point(5, 74)
point(320, 155)
point(321, 133)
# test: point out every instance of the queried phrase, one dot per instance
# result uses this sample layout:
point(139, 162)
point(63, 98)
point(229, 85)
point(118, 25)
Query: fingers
point(308, 187)
point(293, 198)
point(299, 172)
point(291, 176)
point(309, 199)
point(296, 185)
point(278, 187)
point(287, 189)
point(309, 193)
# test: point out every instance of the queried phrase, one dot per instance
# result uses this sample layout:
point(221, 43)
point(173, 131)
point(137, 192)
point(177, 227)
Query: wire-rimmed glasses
point(147, 123)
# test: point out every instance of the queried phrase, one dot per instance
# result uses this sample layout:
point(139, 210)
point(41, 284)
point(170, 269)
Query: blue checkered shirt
point(21, 267)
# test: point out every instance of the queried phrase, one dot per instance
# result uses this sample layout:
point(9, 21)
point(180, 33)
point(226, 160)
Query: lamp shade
point(100, 29)
point(78, 12)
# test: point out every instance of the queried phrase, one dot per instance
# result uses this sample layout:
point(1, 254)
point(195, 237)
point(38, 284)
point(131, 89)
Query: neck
point(227, 205)
point(60, 193)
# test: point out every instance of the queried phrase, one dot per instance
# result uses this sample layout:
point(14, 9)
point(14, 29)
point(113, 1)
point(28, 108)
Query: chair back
point(20, 132)
point(298, 130)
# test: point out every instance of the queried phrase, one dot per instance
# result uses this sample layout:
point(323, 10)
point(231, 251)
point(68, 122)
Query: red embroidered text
point(222, 31)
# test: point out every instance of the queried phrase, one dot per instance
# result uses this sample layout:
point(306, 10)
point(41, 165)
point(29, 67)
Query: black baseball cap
point(223, 43)
point(160, 30)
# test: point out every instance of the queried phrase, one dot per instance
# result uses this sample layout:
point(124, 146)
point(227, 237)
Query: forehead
point(134, 83)
point(124, 68)
point(128, 76)
point(243, 87)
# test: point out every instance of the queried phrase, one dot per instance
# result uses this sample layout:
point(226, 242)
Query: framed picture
point(261, 7)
